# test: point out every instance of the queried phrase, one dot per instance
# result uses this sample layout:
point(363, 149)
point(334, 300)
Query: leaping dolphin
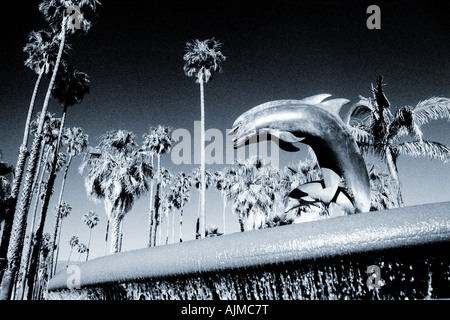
point(316, 123)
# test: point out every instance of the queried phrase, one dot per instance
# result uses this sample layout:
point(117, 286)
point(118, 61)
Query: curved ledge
point(372, 231)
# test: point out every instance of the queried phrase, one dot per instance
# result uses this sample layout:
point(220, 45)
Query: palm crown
point(158, 140)
point(203, 59)
point(42, 50)
point(70, 86)
point(75, 140)
point(117, 175)
point(376, 129)
point(91, 219)
point(55, 11)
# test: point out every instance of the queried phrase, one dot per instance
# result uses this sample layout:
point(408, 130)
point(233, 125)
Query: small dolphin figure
point(316, 123)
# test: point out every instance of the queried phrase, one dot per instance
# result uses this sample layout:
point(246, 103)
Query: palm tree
point(62, 211)
point(167, 205)
point(383, 193)
point(254, 192)
point(55, 12)
point(378, 132)
point(223, 184)
point(182, 195)
point(41, 56)
point(117, 175)
point(70, 88)
point(57, 163)
point(212, 231)
point(48, 145)
point(158, 142)
point(6, 179)
point(82, 248)
point(294, 175)
point(91, 219)
point(41, 50)
point(16, 239)
point(203, 59)
point(166, 178)
point(76, 142)
point(74, 241)
point(198, 177)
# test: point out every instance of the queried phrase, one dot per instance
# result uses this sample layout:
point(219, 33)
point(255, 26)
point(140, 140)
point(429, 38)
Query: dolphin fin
point(334, 105)
point(286, 136)
point(233, 131)
point(285, 139)
point(318, 98)
point(330, 178)
point(297, 198)
point(312, 189)
point(296, 194)
point(287, 146)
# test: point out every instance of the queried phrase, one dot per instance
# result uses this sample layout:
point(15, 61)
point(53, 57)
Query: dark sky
point(274, 49)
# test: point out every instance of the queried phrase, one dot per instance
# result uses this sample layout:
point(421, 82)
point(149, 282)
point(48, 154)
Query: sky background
point(274, 49)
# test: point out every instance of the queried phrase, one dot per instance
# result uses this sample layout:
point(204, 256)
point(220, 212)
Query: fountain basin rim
point(371, 231)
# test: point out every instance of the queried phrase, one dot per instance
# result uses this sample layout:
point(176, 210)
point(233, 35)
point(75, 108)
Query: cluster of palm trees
point(48, 53)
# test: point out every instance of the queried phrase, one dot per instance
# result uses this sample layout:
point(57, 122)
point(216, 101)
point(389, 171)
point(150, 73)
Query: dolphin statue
point(316, 123)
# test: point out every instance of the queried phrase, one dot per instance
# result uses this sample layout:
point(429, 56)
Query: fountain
point(326, 259)
point(393, 254)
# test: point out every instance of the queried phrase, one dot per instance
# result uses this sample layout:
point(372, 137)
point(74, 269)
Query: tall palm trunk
point(392, 166)
point(16, 241)
point(58, 220)
point(18, 174)
point(36, 188)
point(151, 219)
point(202, 222)
point(223, 212)
point(48, 193)
point(181, 222)
point(173, 226)
point(241, 224)
point(106, 235)
point(121, 235)
point(23, 151)
point(57, 252)
point(89, 244)
point(115, 234)
point(157, 201)
point(167, 226)
point(197, 224)
point(70, 254)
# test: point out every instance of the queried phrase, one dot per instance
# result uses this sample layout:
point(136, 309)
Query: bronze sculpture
point(316, 123)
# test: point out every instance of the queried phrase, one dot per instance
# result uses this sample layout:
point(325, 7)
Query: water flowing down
point(325, 259)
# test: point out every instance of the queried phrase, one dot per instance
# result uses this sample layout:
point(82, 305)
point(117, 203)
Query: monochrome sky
point(274, 49)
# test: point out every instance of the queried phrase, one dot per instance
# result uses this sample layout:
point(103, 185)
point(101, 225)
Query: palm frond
point(404, 124)
point(361, 135)
point(424, 148)
point(431, 109)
